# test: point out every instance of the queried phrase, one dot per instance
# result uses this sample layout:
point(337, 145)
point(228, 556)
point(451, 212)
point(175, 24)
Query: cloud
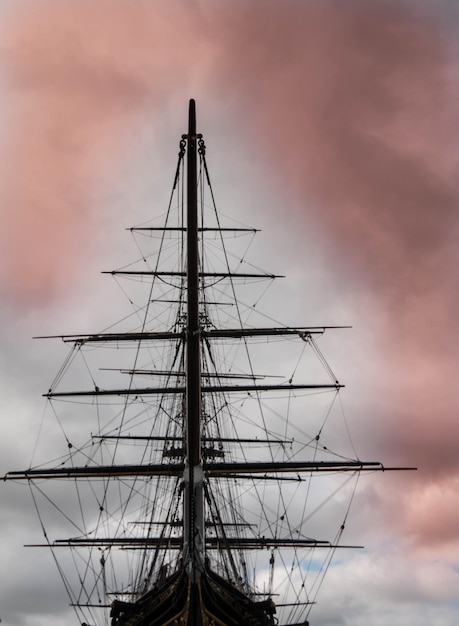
point(80, 77)
point(352, 110)
point(352, 105)
point(425, 589)
point(355, 107)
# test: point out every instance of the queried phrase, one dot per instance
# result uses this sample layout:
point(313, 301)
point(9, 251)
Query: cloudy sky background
point(331, 125)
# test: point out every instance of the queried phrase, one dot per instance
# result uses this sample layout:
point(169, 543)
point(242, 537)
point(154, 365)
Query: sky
point(334, 126)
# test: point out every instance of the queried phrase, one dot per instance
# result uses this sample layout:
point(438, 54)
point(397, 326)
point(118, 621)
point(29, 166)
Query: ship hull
point(212, 601)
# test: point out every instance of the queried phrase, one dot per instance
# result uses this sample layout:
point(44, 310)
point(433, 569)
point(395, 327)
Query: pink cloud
point(79, 76)
point(353, 104)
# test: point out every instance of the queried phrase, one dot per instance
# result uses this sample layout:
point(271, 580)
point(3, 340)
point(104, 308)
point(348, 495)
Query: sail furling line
point(193, 545)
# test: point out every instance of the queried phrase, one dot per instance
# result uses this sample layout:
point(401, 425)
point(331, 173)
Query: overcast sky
point(333, 126)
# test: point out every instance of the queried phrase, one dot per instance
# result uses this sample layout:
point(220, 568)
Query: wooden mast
point(193, 476)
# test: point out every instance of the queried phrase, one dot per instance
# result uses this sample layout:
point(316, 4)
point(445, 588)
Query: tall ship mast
point(201, 474)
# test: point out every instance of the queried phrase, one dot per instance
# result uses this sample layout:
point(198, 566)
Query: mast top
point(192, 118)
